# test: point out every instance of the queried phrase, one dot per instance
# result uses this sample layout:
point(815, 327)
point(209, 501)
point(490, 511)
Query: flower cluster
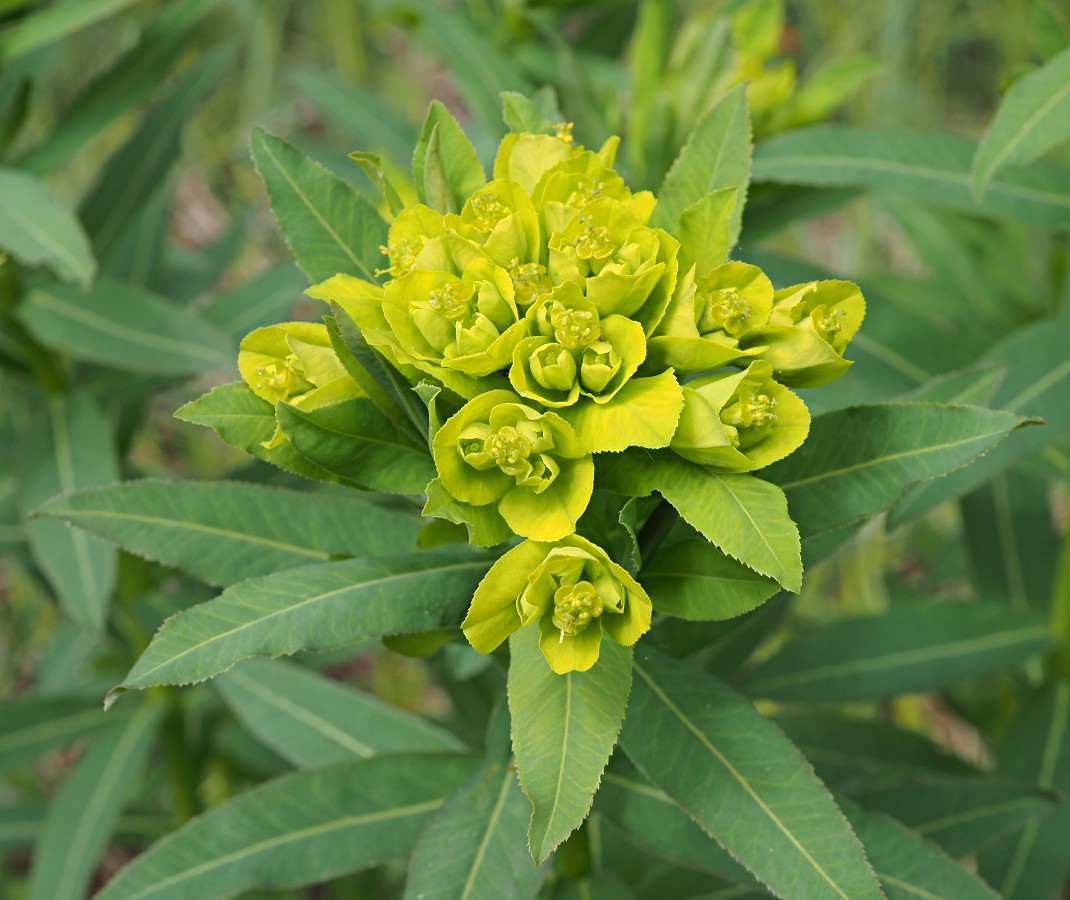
point(564, 325)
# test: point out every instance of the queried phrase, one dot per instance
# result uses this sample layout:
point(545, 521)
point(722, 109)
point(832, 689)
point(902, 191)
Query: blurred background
point(129, 207)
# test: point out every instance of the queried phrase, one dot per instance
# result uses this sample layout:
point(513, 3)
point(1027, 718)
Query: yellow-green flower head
point(417, 240)
point(808, 331)
point(572, 589)
point(498, 223)
point(573, 351)
point(295, 363)
point(525, 158)
point(626, 268)
point(469, 324)
point(740, 422)
point(709, 314)
point(529, 464)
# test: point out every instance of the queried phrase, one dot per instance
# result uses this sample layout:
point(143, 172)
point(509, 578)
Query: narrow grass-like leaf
point(716, 156)
point(85, 810)
point(694, 580)
point(855, 754)
point(473, 846)
point(859, 461)
point(67, 449)
point(353, 440)
point(330, 227)
point(265, 299)
point(297, 830)
point(313, 721)
point(148, 154)
point(1033, 117)
point(37, 229)
point(905, 650)
point(744, 516)
point(245, 421)
point(224, 532)
point(564, 729)
point(961, 814)
point(908, 867)
point(1034, 863)
point(743, 782)
point(311, 608)
point(47, 26)
point(32, 729)
point(131, 81)
point(126, 328)
point(928, 166)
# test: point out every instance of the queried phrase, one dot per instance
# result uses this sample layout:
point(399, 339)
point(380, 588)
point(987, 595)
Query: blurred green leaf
point(564, 729)
point(125, 327)
point(744, 516)
point(44, 27)
point(131, 81)
point(716, 156)
point(84, 812)
point(859, 461)
point(1036, 749)
point(961, 814)
point(264, 299)
point(70, 447)
point(37, 229)
point(32, 728)
point(312, 721)
point(854, 754)
point(354, 440)
point(1033, 117)
point(694, 580)
point(929, 166)
point(224, 532)
point(311, 608)
point(742, 781)
point(909, 649)
point(330, 227)
point(297, 830)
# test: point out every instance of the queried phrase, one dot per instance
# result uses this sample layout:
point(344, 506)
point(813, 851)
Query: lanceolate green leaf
point(1033, 118)
point(905, 650)
point(69, 448)
point(473, 847)
point(297, 830)
point(1034, 863)
point(311, 608)
point(927, 166)
point(742, 781)
point(353, 440)
point(126, 328)
point(445, 156)
point(716, 156)
point(330, 227)
point(744, 516)
point(908, 867)
point(564, 729)
point(245, 421)
point(858, 461)
point(313, 721)
point(37, 229)
point(961, 814)
point(83, 813)
point(694, 580)
point(224, 532)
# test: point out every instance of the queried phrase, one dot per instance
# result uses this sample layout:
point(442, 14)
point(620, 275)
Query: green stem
point(655, 529)
point(1060, 608)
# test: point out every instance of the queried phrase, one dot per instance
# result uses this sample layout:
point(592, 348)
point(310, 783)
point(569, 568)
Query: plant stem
point(655, 529)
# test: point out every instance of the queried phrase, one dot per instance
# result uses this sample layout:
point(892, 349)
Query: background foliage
point(915, 148)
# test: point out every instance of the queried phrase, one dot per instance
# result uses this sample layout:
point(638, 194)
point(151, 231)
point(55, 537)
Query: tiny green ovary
point(575, 607)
